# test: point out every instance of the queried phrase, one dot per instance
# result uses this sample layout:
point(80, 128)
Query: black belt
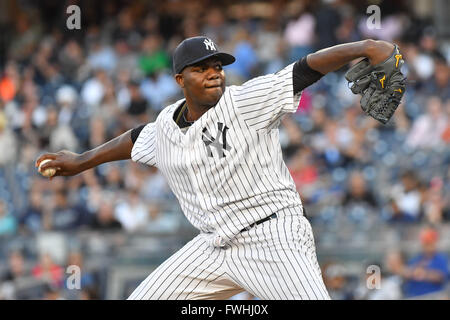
point(273, 216)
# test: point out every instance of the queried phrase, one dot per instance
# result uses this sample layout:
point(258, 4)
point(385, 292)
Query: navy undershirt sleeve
point(135, 133)
point(303, 75)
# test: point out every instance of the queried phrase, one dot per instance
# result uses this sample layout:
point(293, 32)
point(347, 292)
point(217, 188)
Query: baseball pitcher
point(219, 150)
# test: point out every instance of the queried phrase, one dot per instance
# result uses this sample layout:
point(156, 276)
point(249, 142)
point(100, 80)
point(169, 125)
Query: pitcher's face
point(203, 82)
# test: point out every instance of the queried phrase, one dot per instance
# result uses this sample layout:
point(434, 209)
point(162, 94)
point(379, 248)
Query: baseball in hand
point(49, 172)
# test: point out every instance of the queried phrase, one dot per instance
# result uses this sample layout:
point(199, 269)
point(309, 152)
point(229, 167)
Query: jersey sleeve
point(144, 149)
point(263, 100)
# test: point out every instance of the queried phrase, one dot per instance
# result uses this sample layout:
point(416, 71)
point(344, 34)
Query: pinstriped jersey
point(227, 169)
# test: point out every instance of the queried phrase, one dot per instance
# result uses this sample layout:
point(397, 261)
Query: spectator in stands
point(299, 35)
point(159, 88)
point(336, 282)
point(26, 35)
point(304, 170)
point(46, 269)
point(66, 216)
point(347, 30)
point(15, 272)
point(48, 127)
point(427, 129)
point(359, 201)
point(216, 26)
point(159, 220)
point(270, 46)
point(421, 64)
point(332, 144)
point(109, 111)
point(46, 74)
point(328, 20)
point(435, 202)
point(426, 273)
point(7, 142)
point(67, 102)
point(319, 119)
point(58, 135)
point(246, 58)
point(154, 186)
point(290, 137)
point(131, 212)
point(126, 58)
point(405, 201)
point(70, 58)
point(31, 218)
point(93, 89)
point(135, 175)
point(446, 188)
point(126, 28)
point(97, 132)
point(138, 110)
point(439, 84)
point(446, 134)
point(9, 82)
point(358, 194)
point(113, 178)
point(153, 58)
point(102, 56)
point(16, 267)
point(8, 223)
point(104, 219)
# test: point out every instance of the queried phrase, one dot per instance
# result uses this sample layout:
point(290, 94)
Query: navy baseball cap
point(196, 49)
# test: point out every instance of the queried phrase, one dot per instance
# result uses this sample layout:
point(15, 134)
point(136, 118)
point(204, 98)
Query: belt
point(273, 216)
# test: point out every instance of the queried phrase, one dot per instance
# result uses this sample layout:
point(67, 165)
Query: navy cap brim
point(225, 58)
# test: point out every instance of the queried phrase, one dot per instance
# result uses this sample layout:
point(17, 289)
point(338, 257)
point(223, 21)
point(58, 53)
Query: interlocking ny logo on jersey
point(209, 44)
point(215, 142)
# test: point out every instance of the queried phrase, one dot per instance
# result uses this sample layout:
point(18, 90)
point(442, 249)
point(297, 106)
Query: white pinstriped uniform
point(227, 172)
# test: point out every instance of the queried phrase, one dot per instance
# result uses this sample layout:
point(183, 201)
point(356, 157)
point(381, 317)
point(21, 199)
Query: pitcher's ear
point(179, 79)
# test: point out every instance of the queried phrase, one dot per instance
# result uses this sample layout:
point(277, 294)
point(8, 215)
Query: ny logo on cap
point(209, 44)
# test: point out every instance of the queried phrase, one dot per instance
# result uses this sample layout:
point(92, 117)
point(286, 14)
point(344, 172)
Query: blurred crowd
point(76, 89)
point(424, 275)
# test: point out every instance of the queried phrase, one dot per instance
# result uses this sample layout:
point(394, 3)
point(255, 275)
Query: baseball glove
point(382, 86)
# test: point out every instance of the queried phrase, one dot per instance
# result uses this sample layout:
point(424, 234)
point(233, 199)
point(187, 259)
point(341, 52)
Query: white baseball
point(49, 171)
